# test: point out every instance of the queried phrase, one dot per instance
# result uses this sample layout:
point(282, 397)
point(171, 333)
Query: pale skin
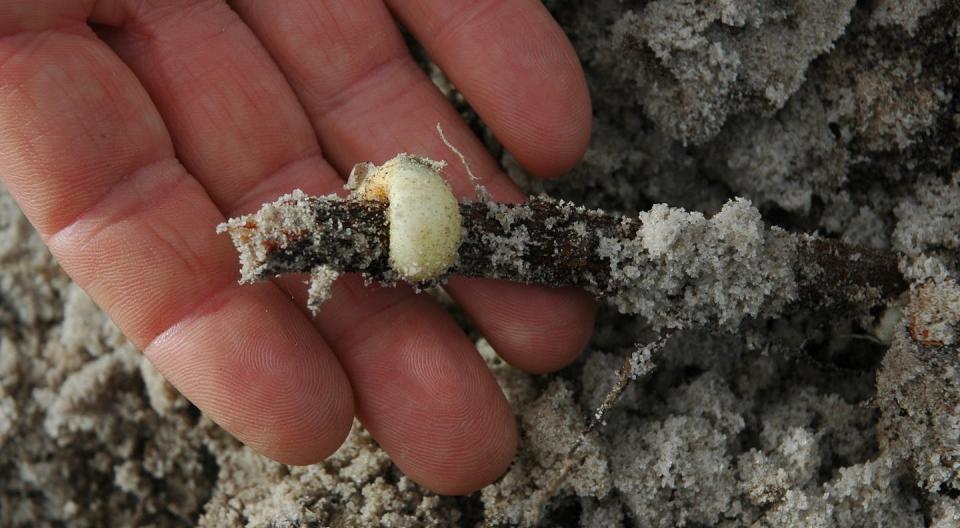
point(130, 128)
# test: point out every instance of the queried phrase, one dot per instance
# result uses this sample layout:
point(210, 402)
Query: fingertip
point(305, 419)
point(261, 371)
point(427, 397)
point(311, 437)
point(537, 329)
point(489, 446)
point(467, 435)
point(550, 131)
point(517, 68)
point(551, 147)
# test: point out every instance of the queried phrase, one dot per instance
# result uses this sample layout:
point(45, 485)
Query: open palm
point(130, 128)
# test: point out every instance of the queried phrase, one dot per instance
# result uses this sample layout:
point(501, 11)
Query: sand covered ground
point(840, 118)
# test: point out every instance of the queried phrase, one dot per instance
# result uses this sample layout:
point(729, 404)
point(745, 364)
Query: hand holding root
point(400, 222)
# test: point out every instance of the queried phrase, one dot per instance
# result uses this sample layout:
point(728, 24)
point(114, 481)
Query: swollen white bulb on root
point(423, 214)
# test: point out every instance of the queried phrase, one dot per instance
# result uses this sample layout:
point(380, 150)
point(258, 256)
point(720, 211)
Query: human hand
point(125, 147)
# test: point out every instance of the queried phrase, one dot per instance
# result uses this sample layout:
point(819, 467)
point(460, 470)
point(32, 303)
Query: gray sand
point(829, 117)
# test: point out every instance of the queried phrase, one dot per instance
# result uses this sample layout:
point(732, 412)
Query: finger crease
point(105, 201)
point(383, 71)
point(211, 303)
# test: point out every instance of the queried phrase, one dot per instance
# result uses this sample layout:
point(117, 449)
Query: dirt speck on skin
point(839, 118)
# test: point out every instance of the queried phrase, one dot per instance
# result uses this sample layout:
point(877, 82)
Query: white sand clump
point(766, 477)
point(918, 387)
point(945, 512)
point(510, 246)
point(8, 418)
point(721, 269)
point(356, 486)
point(904, 14)
point(601, 513)
point(931, 219)
point(677, 469)
point(788, 161)
point(692, 64)
point(552, 424)
point(867, 494)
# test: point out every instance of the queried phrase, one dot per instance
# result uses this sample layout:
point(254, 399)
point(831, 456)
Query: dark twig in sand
point(673, 267)
point(636, 365)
